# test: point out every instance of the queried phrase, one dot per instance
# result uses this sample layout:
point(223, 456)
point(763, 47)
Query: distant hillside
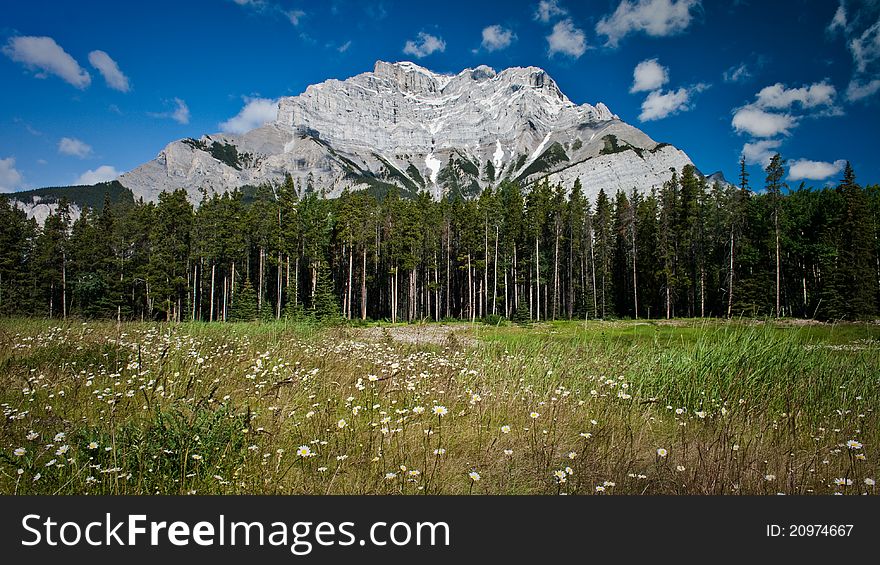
point(91, 196)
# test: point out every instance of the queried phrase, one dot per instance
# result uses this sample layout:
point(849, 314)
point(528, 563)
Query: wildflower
point(418, 409)
point(586, 435)
point(505, 429)
point(569, 471)
point(62, 450)
point(440, 451)
point(853, 444)
point(197, 457)
point(20, 452)
point(304, 451)
point(572, 455)
point(59, 436)
point(37, 477)
point(534, 415)
point(51, 462)
point(700, 413)
point(559, 475)
point(679, 411)
point(253, 447)
point(600, 488)
point(769, 477)
point(662, 452)
point(735, 447)
point(475, 398)
point(32, 435)
point(843, 482)
point(870, 482)
point(680, 468)
point(20, 471)
point(440, 411)
point(93, 445)
point(341, 424)
point(474, 476)
point(508, 452)
point(200, 360)
point(390, 476)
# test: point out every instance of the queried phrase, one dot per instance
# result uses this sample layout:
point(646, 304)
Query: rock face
point(404, 125)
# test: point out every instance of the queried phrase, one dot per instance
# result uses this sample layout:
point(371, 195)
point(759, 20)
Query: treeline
point(688, 249)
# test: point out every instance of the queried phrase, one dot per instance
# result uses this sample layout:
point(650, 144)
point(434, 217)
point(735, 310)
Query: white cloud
point(804, 169)
point(295, 16)
point(758, 123)
point(255, 113)
point(866, 48)
point(659, 105)
point(649, 75)
point(425, 45)
point(180, 114)
point(496, 38)
point(778, 97)
point(46, 57)
point(738, 73)
point(74, 147)
point(657, 18)
point(760, 152)
point(566, 39)
point(839, 21)
point(104, 173)
point(549, 9)
point(858, 90)
point(9, 176)
point(344, 47)
point(109, 70)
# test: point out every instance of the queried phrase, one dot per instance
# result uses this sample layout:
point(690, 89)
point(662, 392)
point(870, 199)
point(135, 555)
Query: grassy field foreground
point(577, 408)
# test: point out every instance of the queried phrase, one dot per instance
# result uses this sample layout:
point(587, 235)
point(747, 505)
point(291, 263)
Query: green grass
point(743, 407)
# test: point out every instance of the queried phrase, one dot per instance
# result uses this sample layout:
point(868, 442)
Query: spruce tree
point(244, 307)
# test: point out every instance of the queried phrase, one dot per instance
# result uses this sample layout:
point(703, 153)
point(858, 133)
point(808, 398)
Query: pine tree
point(325, 306)
point(775, 171)
point(245, 308)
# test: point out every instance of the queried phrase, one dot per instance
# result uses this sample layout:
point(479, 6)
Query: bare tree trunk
point(260, 281)
point(556, 275)
point(350, 279)
point(537, 282)
point(64, 285)
point(195, 291)
point(495, 275)
point(278, 297)
point(778, 265)
point(364, 287)
point(225, 294)
point(515, 287)
point(213, 274)
point(730, 290)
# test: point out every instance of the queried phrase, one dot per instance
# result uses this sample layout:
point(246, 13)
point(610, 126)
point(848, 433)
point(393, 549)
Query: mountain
point(404, 125)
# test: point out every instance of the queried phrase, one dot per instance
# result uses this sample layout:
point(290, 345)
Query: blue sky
point(93, 89)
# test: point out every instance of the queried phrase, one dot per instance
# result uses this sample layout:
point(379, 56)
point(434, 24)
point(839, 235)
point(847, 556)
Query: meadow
point(599, 408)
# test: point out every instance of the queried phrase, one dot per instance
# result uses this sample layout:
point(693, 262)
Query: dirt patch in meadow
point(418, 334)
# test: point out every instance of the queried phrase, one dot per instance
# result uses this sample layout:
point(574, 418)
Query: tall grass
point(595, 408)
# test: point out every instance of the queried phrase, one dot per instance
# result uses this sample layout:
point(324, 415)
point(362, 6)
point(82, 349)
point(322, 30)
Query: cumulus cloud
point(858, 90)
point(549, 9)
point(45, 57)
point(778, 97)
point(496, 38)
point(255, 113)
point(649, 75)
point(104, 173)
point(657, 18)
point(109, 69)
point(567, 39)
point(659, 104)
point(737, 73)
point(74, 147)
point(758, 123)
point(778, 109)
point(425, 45)
point(804, 169)
point(9, 175)
point(760, 152)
